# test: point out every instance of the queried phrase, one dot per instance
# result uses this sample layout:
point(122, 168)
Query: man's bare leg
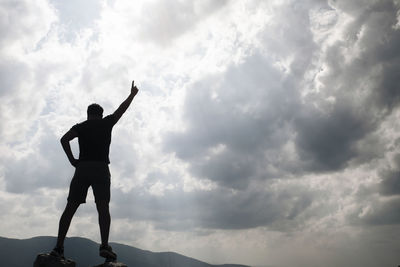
point(104, 221)
point(65, 222)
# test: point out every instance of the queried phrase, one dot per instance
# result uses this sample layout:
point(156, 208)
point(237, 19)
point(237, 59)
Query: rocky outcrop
point(46, 260)
point(112, 264)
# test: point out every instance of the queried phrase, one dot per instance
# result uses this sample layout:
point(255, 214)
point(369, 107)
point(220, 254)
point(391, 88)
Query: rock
point(46, 260)
point(112, 264)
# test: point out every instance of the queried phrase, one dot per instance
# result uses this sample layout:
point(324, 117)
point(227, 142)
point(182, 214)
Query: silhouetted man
point(91, 169)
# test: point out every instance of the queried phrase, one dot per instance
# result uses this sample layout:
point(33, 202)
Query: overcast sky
point(264, 133)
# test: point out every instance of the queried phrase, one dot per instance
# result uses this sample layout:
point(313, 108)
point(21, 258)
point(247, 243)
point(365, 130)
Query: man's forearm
point(127, 102)
point(67, 149)
point(125, 105)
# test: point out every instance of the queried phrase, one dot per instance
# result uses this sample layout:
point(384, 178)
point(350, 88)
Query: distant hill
point(22, 253)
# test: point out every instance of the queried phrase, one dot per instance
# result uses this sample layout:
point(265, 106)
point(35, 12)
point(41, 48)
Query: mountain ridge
point(22, 253)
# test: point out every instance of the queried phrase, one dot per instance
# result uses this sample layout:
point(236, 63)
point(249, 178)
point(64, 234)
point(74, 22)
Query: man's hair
point(95, 110)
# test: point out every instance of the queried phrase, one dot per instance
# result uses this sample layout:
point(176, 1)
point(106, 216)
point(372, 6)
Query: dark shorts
point(90, 173)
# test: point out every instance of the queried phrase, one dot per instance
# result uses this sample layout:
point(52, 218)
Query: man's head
point(94, 111)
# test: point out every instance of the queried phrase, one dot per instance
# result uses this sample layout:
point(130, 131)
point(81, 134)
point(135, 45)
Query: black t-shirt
point(94, 137)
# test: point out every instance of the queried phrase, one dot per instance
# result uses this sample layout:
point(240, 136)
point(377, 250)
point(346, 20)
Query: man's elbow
point(64, 140)
point(118, 114)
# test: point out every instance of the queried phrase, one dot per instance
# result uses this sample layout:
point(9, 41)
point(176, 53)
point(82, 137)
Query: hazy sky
point(264, 133)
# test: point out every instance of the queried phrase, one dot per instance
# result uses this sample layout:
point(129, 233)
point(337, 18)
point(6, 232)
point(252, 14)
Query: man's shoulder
point(79, 124)
point(107, 121)
point(110, 119)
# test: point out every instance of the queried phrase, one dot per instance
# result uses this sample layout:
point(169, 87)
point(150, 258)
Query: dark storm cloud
point(390, 184)
point(326, 140)
point(215, 209)
point(366, 89)
point(385, 209)
point(373, 32)
point(237, 119)
point(377, 212)
point(239, 116)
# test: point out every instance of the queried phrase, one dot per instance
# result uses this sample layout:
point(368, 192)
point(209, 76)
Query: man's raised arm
point(124, 105)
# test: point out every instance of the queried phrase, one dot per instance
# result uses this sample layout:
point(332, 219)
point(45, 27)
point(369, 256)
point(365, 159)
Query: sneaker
point(105, 251)
point(58, 252)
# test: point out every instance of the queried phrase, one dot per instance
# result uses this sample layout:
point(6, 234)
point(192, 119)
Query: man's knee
point(102, 207)
point(71, 207)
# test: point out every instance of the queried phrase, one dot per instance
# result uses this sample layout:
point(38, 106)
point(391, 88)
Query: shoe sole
point(108, 255)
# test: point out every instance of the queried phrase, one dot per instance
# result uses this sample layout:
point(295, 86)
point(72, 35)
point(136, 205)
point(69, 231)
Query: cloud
point(169, 20)
point(39, 165)
point(22, 26)
point(156, 22)
point(390, 184)
point(215, 209)
point(326, 139)
point(76, 15)
point(265, 118)
point(24, 23)
point(383, 213)
point(229, 130)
